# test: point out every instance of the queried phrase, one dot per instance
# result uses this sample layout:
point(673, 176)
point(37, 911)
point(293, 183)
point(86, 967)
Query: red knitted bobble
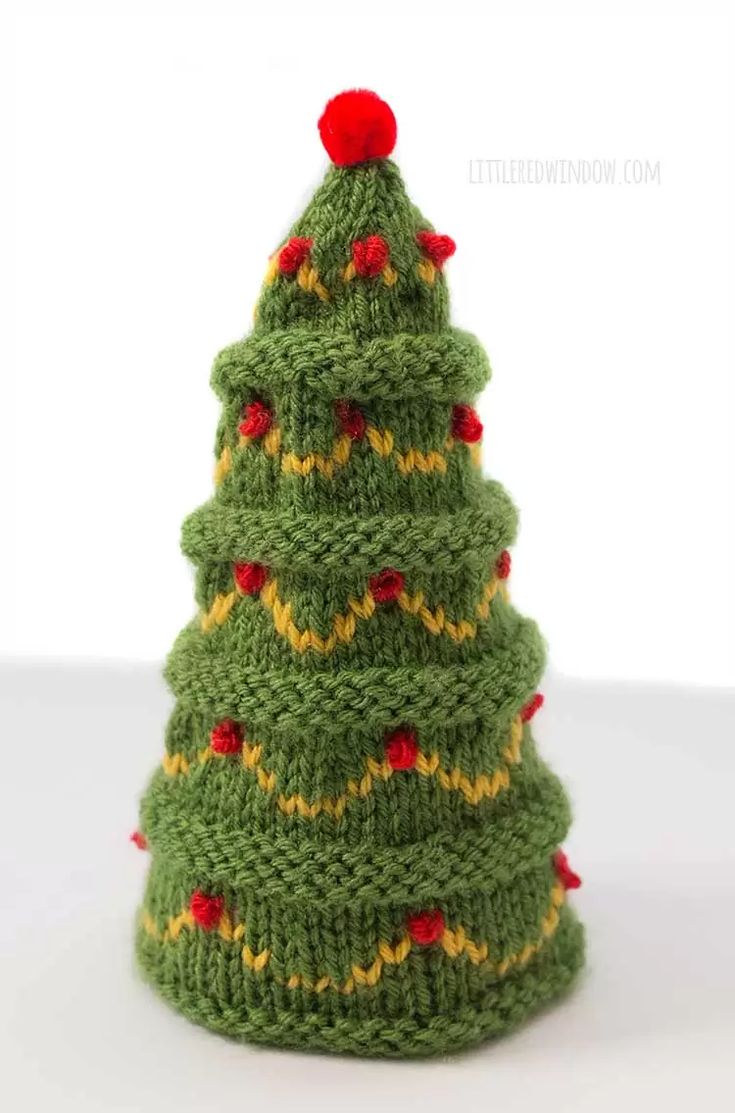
point(207, 911)
point(426, 927)
point(466, 425)
point(226, 737)
point(567, 876)
point(293, 254)
point(401, 748)
point(351, 419)
point(438, 248)
point(386, 585)
point(531, 707)
point(502, 565)
point(357, 125)
point(370, 256)
point(250, 577)
point(258, 420)
point(140, 840)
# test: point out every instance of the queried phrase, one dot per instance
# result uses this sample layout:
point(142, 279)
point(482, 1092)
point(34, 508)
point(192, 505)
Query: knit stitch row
point(454, 942)
point(474, 790)
point(344, 626)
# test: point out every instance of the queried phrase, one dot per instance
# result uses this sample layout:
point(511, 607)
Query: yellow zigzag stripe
point(486, 785)
point(455, 942)
point(388, 273)
point(381, 441)
point(425, 269)
point(307, 277)
point(344, 626)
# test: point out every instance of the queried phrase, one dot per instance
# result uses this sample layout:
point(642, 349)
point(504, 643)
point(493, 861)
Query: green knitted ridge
point(316, 853)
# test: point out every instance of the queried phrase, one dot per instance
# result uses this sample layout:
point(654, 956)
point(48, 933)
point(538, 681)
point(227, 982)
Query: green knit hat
point(354, 843)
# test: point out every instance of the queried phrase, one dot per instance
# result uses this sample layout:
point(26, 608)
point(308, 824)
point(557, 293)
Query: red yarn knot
point(226, 737)
point(437, 248)
point(207, 911)
point(293, 254)
point(250, 577)
point(401, 748)
point(567, 876)
point(258, 420)
point(530, 709)
point(466, 425)
point(426, 927)
point(502, 565)
point(351, 419)
point(386, 585)
point(370, 256)
point(357, 125)
point(139, 839)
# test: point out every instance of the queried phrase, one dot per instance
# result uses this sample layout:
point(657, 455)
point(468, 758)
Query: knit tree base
point(374, 1022)
point(355, 845)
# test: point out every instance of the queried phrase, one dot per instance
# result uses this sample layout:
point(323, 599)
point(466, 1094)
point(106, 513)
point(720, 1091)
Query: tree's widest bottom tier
point(369, 979)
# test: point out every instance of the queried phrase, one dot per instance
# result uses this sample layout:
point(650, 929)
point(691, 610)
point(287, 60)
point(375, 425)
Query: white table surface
point(651, 1025)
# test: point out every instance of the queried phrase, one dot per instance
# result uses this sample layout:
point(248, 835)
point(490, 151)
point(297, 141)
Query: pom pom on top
point(356, 126)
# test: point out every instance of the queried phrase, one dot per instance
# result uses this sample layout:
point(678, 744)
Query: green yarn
point(317, 852)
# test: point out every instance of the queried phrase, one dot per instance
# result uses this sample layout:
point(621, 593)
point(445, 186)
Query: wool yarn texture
point(354, 843)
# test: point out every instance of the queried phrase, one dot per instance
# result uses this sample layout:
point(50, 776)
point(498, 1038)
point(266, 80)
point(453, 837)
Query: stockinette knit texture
point(354, 843)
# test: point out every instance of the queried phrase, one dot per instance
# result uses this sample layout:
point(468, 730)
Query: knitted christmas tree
point(355, 845)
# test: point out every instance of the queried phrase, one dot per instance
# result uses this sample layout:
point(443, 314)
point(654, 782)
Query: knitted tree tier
point(355, 845)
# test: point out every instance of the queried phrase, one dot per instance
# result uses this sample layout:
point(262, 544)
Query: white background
point(161, 149)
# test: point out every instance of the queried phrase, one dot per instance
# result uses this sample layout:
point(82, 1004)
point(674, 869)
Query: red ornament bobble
point(370, 256)
point(437, 248)
point(530, 709)
point(356, 126)
point(386, 586)
point(351, 419)
point(250, 577)
point(207, 911)
point(565, 873)
point(502, 565)
point(226, 737)
point(401, 748)
point(466, 425)
point(426, 927)
point(258, 420)
point(293, 254)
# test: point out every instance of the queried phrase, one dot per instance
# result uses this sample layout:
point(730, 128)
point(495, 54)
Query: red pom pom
point(207, 911)
point(258, 420)
point(250, 577)
point(357, 125)
point(293, 254)
point(438, 248)
point(386, 585)
point(226, 737)
point(502, 565)
point(426, 927)
point(140, 840)
point(567, 876)
point(351, 419)
point(466, 425)
point(531, 707)
point(401, 748)
point(370, 256)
